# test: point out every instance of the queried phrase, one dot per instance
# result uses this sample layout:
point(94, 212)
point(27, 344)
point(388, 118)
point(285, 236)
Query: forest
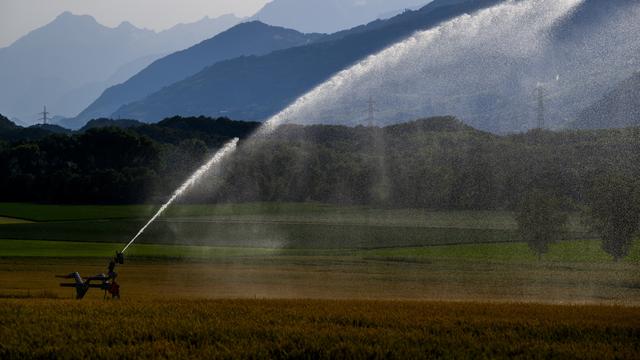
point(433, 164)
point(436, 163)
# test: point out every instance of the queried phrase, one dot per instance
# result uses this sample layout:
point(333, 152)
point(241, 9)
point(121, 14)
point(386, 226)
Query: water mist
point(483, 68)
point(409, 74)
point(215, 160)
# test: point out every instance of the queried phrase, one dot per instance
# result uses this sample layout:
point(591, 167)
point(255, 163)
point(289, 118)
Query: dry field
point(337, 277)
point(238, 308)
point(313, 329)
point(477, 300)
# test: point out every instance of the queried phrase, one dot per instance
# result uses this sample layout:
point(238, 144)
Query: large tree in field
point(541, 220)
point(614, 212)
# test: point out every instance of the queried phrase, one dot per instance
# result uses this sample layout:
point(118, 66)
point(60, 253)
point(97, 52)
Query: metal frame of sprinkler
point(107, 283)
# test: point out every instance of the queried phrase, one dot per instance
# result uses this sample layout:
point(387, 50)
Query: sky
point(18, 17)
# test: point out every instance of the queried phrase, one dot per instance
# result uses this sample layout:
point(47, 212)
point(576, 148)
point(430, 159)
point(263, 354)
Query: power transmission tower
point(45, 115)
point(371, 110)
point(540, 94)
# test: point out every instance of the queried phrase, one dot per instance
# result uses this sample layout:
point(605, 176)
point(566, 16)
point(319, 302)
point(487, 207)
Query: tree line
point(436, 164)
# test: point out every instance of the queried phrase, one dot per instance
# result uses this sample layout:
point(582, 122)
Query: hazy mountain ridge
point(257, 86)
point(185, 35)
point(77, 54)
point(486, 68)
point(251, 38)
point(599, 31)
point(329, 16)
point(618, 109)
point(253, 88)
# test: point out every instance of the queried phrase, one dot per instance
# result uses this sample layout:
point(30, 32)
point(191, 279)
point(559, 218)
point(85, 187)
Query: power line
point(371, 110)
point(45, 115)
point(540, 94)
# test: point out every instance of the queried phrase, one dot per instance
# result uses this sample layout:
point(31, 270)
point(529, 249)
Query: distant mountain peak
point(125, 25)
point(65, 15)
point(256, 25)
point(68, 17)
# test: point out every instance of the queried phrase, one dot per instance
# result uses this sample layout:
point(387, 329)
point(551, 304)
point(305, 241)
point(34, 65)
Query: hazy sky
point(18, 17)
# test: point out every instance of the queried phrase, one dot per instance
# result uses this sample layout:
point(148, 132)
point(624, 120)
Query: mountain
point(67, 63)
point(618, 109)
point(589, 16)
point(329, 16)
point(484, 66)
point(595, 50)
point(255, 87)
point(177, 130)
point(182, 36)
point(389, 14)
point(251, 38)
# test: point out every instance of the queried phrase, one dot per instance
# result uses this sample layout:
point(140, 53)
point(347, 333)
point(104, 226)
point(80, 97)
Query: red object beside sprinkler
point(106, 282)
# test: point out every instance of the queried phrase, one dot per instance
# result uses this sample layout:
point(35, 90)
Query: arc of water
point(215, 159)
point(548, 10)
point(386, 57)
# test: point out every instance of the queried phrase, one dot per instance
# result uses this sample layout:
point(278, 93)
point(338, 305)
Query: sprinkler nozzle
point(119, 257)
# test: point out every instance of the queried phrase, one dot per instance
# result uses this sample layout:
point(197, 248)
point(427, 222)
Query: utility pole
point(371, 110)
point(540, 94)
point(45, 115)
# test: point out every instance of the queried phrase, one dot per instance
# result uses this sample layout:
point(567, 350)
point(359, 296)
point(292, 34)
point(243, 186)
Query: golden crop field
point(336, 278)
point(207, 310)
point(313, 329)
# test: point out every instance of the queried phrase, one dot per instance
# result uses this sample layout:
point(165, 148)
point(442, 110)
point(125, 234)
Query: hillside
point(6, 124)
point(104, 122)
point(593, 55)
point(31, 133)
point(252, 38)
point(617, 109)
point(212, 132)
point(254, 88)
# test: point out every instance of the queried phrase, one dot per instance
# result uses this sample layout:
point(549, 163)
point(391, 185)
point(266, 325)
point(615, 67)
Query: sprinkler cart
point(104, 282)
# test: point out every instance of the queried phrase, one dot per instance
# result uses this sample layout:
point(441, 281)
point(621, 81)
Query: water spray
point(545, 11)
point(216, 159)
point(407, 73)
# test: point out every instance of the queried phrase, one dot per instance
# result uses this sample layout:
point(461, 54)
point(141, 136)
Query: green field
point(276, 211)
point(309, 281)
point(6, 220)
point(260, 225)
point(568, 251)
point(308, 251)
point(37, 212)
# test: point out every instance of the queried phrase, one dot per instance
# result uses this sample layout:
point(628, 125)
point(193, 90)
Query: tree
point(614, 212)
point(541, 220)
point(475, 183)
